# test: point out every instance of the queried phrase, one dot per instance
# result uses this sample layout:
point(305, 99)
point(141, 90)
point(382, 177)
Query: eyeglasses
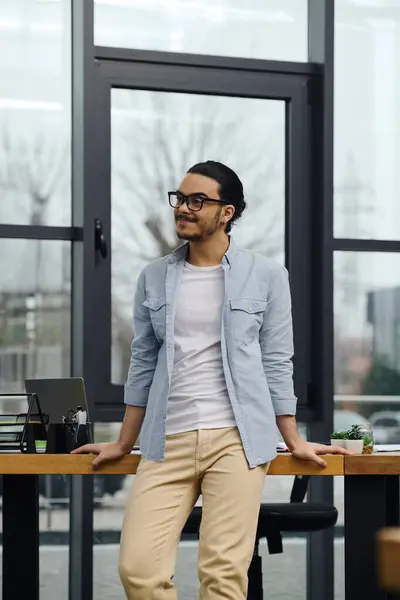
point(194, 202)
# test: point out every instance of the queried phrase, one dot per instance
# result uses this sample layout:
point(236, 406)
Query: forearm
point(131, 426)
point(288, 428)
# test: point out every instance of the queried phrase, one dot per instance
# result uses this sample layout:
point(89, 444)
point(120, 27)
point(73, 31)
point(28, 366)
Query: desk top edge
point(75, 464)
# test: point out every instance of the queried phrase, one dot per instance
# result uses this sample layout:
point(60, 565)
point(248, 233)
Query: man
point(210, 378)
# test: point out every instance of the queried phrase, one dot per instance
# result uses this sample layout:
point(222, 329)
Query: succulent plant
point(355, 433)
point(340, 435)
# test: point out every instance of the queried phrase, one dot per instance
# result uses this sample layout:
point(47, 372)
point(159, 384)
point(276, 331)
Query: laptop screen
point(58, 396)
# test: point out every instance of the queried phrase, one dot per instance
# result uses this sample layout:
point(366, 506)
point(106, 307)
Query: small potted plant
point(339, 438)
point(355, 440)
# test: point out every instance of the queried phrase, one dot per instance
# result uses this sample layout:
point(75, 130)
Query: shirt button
point(250, 308)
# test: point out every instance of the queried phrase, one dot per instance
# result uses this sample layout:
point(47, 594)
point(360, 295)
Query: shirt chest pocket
point(157, 310)
point(247, 318)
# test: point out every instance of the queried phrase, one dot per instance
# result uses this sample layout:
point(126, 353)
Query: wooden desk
point(371, 501)
point(388, 553)
point(21, 505)
point(81, 464)
point(382, 463)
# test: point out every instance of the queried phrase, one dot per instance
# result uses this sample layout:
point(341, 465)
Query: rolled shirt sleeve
point(276, 342)
point(144, 351)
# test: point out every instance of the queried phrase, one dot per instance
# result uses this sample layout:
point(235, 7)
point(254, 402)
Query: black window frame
point(251, 79)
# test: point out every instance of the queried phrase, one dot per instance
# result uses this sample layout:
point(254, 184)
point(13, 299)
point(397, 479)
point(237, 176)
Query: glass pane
point(270, 29)
point(35, 106)
point(367, 329)
point(367, 120)
point(156, 137)
point(35, 306)
point(367, 354)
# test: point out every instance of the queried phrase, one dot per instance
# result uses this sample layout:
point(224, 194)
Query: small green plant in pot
point(339, 438)
point(355, 440)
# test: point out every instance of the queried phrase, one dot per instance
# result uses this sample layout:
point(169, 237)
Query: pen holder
point(62, 438)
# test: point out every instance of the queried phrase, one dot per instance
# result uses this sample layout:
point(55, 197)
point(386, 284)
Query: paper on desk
point(386, 447)
point(281, 447)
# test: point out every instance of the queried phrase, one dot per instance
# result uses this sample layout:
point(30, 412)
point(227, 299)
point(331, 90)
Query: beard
point(202, 233)
point(186, 235)
point(189, 237)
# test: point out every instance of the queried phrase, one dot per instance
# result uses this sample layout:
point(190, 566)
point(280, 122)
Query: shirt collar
point(181, 252)
point(231, 252)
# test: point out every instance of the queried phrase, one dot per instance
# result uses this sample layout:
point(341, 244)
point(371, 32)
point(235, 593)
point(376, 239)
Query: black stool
point(295, 516)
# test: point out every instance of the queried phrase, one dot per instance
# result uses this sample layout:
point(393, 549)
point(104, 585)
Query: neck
point(208, 253)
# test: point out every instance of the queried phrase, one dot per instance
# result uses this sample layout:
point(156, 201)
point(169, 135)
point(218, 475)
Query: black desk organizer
point(18, 432)
point(64, 437)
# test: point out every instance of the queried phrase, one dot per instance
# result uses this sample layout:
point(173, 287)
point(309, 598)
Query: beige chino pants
point(210, 462)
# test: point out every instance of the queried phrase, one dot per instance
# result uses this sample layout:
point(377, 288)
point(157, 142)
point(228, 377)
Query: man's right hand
point(105, 451)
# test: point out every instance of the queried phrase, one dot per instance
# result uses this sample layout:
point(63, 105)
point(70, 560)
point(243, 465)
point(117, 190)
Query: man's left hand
point(310, 451)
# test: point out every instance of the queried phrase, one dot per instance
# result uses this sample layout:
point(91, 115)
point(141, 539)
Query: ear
point(228, 213)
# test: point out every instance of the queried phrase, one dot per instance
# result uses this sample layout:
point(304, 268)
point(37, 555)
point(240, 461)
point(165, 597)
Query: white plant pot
point(355, 446)
point(340, 443)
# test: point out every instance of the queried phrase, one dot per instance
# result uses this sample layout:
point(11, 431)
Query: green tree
point(382, 380)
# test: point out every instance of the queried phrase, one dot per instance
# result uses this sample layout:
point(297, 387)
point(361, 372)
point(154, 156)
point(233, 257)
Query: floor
point(284, 575)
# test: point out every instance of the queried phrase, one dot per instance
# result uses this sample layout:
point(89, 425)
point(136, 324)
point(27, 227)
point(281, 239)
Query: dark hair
point(230, 186)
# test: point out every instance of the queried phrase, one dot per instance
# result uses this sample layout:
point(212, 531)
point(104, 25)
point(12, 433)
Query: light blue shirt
point(256, 346)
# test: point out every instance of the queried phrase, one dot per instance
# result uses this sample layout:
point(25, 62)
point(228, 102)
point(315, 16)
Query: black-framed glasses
point(194, 202)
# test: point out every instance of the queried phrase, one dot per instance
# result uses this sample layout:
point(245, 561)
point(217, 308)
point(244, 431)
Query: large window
point(35, 106)
point(367, 364)
point(272, 29)
point(367, 214)
point(144, 110)
point(155, 137)
point(35, 191)
point(367, 121)
point(35, 314)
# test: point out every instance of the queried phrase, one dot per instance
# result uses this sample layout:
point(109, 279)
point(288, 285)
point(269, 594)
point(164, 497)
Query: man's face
point(198, 226)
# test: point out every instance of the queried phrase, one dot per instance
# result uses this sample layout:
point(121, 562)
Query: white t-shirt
point(198, 396)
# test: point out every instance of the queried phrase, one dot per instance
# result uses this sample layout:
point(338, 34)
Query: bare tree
point(33, 171)
point(149, 157)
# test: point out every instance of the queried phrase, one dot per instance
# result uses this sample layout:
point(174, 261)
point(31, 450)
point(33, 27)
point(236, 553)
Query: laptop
point(58, 396)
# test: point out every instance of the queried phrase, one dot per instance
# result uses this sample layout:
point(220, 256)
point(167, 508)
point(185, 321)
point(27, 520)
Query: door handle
point(100, 243)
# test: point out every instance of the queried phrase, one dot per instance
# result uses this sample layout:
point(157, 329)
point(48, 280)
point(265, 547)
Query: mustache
point(184, 218)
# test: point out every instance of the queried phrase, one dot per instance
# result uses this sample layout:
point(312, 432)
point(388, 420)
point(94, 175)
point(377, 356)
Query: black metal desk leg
point(371, 502)
point(20, 537)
